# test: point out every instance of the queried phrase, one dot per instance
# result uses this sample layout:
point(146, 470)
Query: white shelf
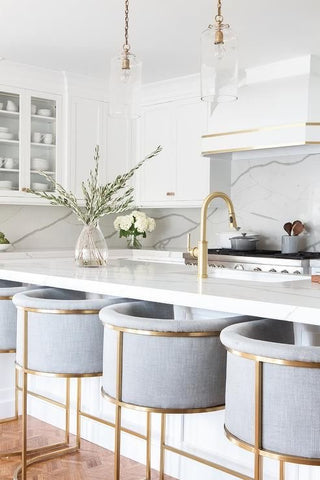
point(50, 145)
point(8, 113)
point(44, 171)
point(41, 117)
point(15, 170)
point(14, 142)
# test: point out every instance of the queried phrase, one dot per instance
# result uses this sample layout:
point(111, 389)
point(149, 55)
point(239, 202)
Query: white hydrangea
point(138, 219)
point(138, 214)
point(141, 224)
point(123, 222)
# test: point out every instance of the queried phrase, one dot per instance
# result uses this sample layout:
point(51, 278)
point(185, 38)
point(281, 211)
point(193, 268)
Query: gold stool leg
point(162, 445)
point(148, 447)
point(67, 420)
point(117, 442)
point(16, 392)
point(281, 470)
point(78, 434)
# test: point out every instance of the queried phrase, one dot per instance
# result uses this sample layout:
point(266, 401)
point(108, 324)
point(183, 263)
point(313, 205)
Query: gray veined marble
point(265, 194)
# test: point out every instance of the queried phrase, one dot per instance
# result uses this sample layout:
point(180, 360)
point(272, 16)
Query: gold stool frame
point(164, 411)
point(15, 417)
point(17, 388)
point(57, 449)
point(257, 449)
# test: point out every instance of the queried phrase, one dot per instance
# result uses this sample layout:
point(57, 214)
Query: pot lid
point(244, 236)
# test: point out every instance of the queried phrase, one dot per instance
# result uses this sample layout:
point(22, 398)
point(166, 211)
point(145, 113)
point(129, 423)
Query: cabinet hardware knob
point(170, 194)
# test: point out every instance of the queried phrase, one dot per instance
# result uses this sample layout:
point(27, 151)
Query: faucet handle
point(192, 250)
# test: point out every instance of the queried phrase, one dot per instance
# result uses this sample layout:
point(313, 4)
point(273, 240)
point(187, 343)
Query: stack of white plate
point(4, 134)
point(6, 185)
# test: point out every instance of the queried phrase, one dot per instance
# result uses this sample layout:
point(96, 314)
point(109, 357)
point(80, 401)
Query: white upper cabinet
point(30, 141)
point(178, 176)
point(87, 129)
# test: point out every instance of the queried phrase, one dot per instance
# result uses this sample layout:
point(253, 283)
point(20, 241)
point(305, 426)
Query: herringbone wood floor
point(90, 463)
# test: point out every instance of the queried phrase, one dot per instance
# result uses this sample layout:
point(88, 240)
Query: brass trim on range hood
point(261, 129)
point(261, 147)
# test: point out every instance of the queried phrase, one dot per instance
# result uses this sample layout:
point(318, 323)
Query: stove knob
point(257, 269)
point(221, 266)
point(238, 266)
point(296, 272)
point(273, 270)
point(212, 265)
point(284, 271)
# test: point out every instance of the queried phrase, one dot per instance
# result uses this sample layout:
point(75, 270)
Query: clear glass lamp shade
point(125, 88)
point(219, 66)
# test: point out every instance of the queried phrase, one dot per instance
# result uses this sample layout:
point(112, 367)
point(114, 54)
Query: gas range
point(272, 261)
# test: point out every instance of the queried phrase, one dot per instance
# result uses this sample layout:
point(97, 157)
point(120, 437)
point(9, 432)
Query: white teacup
point(11, 106)
point(37, 137)
point(33, 109)
point(47, 138)
point(9, 163)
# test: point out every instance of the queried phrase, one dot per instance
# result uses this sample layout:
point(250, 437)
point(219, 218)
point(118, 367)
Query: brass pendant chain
point(126, 46)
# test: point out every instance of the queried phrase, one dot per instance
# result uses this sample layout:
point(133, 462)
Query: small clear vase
point(91, 248)
point(133, 242)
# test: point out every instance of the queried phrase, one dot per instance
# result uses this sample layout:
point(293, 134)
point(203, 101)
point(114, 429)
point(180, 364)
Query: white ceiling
point(80, 36)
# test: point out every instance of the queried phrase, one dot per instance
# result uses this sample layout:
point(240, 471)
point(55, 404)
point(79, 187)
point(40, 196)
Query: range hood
point(278, 108)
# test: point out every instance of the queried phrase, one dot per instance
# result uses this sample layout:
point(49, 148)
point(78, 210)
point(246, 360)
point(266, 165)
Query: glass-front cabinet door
point(9, 142)
point(43, 136)
point(30, 143)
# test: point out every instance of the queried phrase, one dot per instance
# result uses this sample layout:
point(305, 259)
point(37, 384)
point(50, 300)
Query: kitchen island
point(285, 297)
point(278, 296)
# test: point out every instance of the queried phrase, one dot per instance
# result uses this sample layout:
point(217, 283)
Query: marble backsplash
point(266, 194)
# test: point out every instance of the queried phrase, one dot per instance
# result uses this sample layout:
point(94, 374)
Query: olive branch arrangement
point(100, 200)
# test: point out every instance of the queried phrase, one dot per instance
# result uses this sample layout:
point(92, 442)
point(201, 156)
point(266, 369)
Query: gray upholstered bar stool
point(8, 330)
point(272, 394)
point(155, 363)
point(59, 334)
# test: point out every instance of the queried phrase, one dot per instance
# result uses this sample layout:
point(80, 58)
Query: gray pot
point(244, 243)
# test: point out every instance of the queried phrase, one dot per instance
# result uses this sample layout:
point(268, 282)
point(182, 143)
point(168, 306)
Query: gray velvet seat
point(62, 342)
point(167, 365)
point(271, 377)
point(8, 330)
point(8, 314)
point(58, 334)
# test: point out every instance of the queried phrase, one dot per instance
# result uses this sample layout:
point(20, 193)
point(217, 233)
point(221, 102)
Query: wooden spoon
point(288, 227)
point(297, 227)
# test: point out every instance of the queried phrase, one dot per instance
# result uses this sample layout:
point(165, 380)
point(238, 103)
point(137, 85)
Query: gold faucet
point(201, 252)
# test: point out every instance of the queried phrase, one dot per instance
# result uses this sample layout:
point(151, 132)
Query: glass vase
point(91, 248)
point(133, 242)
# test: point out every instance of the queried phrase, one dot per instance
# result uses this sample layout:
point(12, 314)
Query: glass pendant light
point(219, 62)
point(125, 79)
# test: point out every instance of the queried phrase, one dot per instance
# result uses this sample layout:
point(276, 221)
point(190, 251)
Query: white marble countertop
point(176, 283)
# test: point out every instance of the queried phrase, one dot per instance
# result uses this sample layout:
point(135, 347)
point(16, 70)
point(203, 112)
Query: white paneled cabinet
point(87, 129)
point(31, 139)
point(179, 176)
point(90, 126)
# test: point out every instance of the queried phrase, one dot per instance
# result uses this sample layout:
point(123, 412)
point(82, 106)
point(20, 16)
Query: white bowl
point(4, 129)
point(4, 246)
point(44, 112)
point(39, 187)
point(5, 184)
point(6, 136)
point(39, 164)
